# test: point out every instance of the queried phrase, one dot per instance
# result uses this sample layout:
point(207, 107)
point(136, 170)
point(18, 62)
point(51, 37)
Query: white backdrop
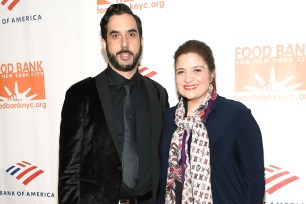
point(46, 46)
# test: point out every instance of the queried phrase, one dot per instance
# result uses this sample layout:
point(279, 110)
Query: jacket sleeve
point(70, 141)
point(250, 148)
point(164, 100)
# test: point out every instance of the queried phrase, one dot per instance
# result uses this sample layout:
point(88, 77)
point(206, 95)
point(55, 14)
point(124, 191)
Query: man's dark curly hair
point(118, 9)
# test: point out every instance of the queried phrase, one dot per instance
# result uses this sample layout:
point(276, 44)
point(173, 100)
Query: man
point(92, 132)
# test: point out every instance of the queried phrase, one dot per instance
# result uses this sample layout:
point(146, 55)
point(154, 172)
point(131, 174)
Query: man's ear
point(103, 43)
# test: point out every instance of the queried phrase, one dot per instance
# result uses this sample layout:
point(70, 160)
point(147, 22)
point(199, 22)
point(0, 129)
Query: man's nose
point(124, 42)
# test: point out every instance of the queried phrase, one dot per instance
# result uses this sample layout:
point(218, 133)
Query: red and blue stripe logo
point(277, 178)
point(24, 171)
point(11, 4)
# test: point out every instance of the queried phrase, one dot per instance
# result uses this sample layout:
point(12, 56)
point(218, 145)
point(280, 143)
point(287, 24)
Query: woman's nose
point(188, 77)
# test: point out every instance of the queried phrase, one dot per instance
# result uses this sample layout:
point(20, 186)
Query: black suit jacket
point(89, 163)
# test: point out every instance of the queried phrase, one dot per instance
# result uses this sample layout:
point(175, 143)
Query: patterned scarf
point(194, 171)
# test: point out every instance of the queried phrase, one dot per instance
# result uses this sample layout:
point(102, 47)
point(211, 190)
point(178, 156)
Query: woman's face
point(192, 77)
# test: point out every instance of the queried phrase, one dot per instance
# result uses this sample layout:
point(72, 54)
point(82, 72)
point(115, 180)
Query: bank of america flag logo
point(145, 71)
point(11, 4)
point(277, 178)
point(24, 171)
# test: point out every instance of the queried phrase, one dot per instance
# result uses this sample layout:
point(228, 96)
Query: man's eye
point(197, 70)
point(132, 34)
point(114, 36)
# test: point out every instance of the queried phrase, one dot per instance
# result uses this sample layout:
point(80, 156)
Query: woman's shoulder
point(168, 118)
point(171, 109)
point(230, 104)
point(170, 112)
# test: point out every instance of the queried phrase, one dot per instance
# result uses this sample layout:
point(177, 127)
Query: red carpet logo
point(24, 171)
point(146, 72)
point(11, 5)
point(277, 178)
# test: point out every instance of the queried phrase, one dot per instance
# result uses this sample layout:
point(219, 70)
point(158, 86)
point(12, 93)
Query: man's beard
point(124, 67)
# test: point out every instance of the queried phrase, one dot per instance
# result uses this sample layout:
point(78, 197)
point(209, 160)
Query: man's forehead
point(122, 23)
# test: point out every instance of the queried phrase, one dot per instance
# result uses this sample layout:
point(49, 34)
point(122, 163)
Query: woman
point(211, 147)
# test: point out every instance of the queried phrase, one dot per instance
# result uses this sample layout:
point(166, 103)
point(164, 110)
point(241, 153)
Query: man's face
point(123, 45)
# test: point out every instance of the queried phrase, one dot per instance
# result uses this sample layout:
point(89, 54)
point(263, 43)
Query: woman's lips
point(191, 87)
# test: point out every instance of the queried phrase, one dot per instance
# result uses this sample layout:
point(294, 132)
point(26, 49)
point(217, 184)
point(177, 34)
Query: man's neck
point(127, 75)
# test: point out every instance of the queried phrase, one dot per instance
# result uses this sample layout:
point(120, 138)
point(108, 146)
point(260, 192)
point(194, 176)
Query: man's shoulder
point(82, 86)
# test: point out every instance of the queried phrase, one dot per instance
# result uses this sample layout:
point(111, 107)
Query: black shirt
point(143, 123)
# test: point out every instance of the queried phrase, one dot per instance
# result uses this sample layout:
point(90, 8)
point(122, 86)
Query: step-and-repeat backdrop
point(46, 46)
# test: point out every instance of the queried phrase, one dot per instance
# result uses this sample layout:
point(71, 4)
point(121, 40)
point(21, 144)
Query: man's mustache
point(124, 51)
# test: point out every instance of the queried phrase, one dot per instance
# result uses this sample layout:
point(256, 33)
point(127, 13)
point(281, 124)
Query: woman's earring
point(210, 88)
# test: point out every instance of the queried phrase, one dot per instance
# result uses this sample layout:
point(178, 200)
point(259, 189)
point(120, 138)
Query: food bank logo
point(277, 178)
point(270, 68)
point(24, 171)
point(11, 4)
point(22, 81)
point(102, 2)
point(102, 5)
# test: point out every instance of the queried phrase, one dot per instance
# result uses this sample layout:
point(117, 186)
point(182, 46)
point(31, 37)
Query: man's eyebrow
point(132, 30)
point(129, 31)
point(113, 32)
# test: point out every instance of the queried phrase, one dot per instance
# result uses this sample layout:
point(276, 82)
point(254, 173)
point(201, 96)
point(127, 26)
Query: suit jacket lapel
point(156, 116)
point(105, 99)
point(155, 110)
